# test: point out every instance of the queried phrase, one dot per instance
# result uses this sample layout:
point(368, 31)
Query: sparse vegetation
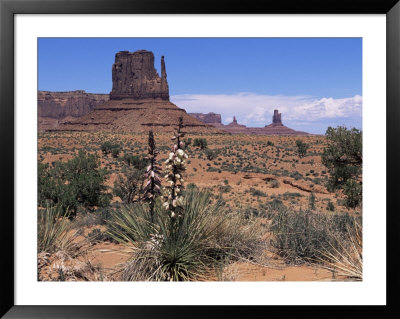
point(301, 148)
point(110, 148)
point(252, 180)
point(76, 183)
point(303, 235)
point(200, 142)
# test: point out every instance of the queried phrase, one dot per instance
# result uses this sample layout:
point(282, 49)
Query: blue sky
point(314, 82)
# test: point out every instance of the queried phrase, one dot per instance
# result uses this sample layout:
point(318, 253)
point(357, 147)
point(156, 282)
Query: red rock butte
point(275, 128)
point(139, 101)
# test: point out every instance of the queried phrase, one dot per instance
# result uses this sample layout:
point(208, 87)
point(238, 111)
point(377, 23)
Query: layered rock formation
point(235, 128)
point(275, 128)
point(210, 118)
point(135, 77)
point(139, 101)
point(277, 119)
point(56, 106)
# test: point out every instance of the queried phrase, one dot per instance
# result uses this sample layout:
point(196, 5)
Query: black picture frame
point(8, 10)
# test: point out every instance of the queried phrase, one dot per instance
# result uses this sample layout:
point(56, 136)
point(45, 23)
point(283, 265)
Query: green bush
point(210, 154)
point(76, 183)
point(343, 158)
point(353, 192)
point(257, 192)
point(301, 148)
point(110, 148)
point(138, 162)
point(343, 155)
point(200, 142)
point(115, 152)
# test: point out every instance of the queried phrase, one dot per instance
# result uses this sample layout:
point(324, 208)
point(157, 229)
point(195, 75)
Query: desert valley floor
point(249, 173)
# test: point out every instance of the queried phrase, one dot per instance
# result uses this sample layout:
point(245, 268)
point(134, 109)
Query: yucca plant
point(55, 231)
point(204, 235)
point(175, 167)
point(162, 252)
point(152, 187)
point(181, 235)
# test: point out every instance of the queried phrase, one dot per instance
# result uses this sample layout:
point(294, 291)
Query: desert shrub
point(128, 185)
point(115, 152)
point(110, 148)
point(343, 155)
point(187, 142)
point(224, 188)
point(102, 215)
point(205, 234)
point(138, 162)
point(257, 192)
point(330, 206)
point(269, 143)
point(301, 148)
point(311, 201)
point(210, 154)
point(274, 183)
point(353, 192)
point(296, 175)
point(55, 230)
point(301, 235)
point(276, 205)
point(200, 142)
point(76, 183)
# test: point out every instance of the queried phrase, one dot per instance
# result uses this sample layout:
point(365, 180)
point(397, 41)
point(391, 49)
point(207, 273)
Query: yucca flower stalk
point(152, 188)
point(175, 168)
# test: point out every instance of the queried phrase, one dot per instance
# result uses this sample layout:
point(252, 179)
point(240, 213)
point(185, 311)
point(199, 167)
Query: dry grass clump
point(186, 249)
point(347, 259)
point(301, 236)
point(58, 249)
point(60, 266)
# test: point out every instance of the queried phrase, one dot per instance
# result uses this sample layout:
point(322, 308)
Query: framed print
point(167, 159)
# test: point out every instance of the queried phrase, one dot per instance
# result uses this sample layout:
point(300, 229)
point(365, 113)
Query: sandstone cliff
point(54, 107)
point(59, 105)
point(135, 77)
point(139, 101)
point(207, 118)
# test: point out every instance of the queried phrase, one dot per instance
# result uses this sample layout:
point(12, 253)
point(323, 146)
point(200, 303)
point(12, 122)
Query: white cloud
point(256, 110)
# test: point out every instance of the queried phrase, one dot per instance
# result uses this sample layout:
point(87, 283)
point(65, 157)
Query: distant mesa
point(209, 118)
point(138, 102)
point(56, 106)
point(275, 128)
